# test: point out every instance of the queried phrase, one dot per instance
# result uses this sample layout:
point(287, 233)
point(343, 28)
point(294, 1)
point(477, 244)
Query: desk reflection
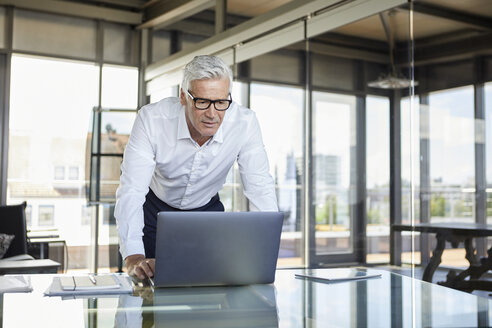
point(241, 306)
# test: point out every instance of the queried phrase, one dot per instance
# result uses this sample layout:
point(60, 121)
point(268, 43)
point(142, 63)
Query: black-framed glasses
point(202, 103)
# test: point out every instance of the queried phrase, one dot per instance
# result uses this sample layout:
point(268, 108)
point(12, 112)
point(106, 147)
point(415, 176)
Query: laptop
point(216, 248)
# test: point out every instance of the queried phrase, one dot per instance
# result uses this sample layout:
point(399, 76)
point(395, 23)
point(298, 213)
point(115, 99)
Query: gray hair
point(205, 67)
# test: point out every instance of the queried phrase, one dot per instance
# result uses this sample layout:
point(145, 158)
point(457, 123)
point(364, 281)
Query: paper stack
point(15, 284)
point(90, 285)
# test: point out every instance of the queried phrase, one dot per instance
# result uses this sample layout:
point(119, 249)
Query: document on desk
point(89, 282)
point(336, 275)
point(106, 284)
point(15, 284)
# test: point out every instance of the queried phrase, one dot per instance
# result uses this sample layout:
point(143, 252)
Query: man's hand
point(138, 266)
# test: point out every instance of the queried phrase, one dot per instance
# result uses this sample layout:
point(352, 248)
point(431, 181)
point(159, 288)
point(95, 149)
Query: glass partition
point(378, 179)
point(324, 107)
point(452, 155)
point(333, 141)
point(488, 140)
point(381, 120)
point(279, 110)
point(51, 103)
point(115, 121)
point(231, 194)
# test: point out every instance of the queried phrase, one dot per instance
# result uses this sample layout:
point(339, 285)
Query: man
point(178, 156)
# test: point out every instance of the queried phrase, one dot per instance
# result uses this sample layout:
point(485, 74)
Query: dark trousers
point(154, 205)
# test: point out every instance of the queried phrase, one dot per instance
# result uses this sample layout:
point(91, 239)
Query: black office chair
point(13, 222)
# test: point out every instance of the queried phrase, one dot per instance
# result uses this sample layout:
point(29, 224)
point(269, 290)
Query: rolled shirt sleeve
point(136, 173)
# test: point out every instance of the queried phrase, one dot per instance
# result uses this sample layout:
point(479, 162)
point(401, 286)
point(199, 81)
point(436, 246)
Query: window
point(28, 216)
point(279, 107)
point(377, 181)
point(120, 87)
point(410, 157)
point(119, 98)
point(488, 151)
point(51, 104)
point(333, 119)
point(452, 159)
point(46, 215)
point(73, 173)
point(231, 194)
point(59, 172)
point(86, 215)
point(164, 93)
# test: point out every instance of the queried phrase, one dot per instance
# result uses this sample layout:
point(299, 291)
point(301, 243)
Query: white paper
point(337, 275)
point(15, 284)
point(55, 289)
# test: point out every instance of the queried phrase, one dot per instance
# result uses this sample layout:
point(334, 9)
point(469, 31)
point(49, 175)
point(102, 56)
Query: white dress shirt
point(161, 154)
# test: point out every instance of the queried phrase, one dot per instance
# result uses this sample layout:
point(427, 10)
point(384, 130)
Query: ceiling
point(431, 17)
point(434, 22)
point(248, 8)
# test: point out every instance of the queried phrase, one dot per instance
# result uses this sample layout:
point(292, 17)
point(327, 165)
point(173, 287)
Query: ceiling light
point(392, 82)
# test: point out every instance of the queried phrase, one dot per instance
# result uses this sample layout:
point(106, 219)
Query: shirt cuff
point(131, 248)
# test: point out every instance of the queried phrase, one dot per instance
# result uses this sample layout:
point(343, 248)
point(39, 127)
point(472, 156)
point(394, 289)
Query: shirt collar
point(184, 132)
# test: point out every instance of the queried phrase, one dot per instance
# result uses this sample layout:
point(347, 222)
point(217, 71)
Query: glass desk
point(390, 301)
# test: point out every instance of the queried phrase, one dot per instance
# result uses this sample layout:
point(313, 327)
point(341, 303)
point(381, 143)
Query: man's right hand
point(139, 266)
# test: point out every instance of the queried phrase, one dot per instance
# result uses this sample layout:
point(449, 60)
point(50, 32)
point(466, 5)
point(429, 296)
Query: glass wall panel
point(410, 169)
point(378, 176)
point(452, 155)
point(51, 105)
point(54, 35)
point(164, 93)
point(231, 194)
point(333, 139)
point(488, 150)
point(119, 92)
point(115, 132)
point(279, 110)
point(120, 44)
point(120, 87)
point(410, 150)
point(451, 150)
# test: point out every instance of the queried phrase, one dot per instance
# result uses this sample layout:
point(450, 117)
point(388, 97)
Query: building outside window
point(281, 107)
point(333, 137)
point(28, 215)
point(59, 173)
point(73, 173)
point(452, 157)
point(46, 215)
point(51, 105)
point(377, 181)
